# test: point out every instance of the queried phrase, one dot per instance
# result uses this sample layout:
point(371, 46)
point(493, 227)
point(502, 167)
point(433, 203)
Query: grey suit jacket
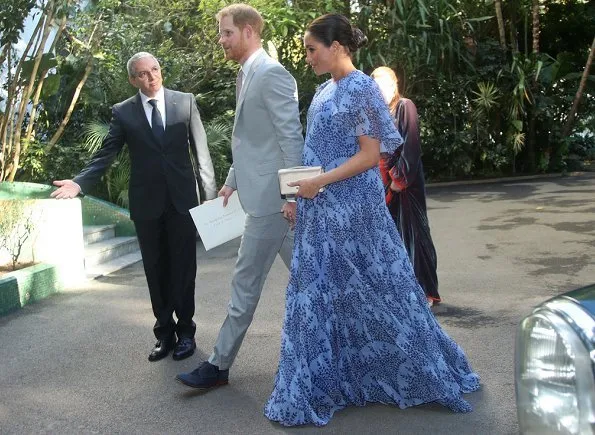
point(267, 136)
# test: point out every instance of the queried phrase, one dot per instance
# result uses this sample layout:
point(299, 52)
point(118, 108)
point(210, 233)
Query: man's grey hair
point(130, 65)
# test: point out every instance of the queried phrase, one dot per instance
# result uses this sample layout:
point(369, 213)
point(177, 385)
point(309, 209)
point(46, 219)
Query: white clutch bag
point(296, 173)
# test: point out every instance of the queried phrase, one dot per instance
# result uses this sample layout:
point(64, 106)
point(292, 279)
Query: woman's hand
point(308, 187)
point(394, 187)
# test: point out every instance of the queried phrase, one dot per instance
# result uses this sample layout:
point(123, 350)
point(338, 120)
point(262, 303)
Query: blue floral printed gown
point(357, 326)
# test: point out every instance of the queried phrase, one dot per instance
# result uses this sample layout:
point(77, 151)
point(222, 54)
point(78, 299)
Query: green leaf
point(47, 62)
point(71, 59)
point(94, 132)
point(539, 66)
point(51, 85)
point(486, 18)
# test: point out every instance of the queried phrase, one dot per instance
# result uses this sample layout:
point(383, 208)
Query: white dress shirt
point(245, 68)
point(160, 97)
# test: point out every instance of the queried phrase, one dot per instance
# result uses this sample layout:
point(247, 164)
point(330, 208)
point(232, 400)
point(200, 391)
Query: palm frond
point(118, 181)
point(487, 98)
point(219, 141)
point(218, 133)
point(93, 133)
point(518, 142)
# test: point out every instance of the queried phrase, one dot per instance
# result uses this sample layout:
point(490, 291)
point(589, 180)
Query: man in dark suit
point(161, 128)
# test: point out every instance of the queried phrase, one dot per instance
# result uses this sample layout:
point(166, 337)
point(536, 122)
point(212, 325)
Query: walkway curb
point(510, 179)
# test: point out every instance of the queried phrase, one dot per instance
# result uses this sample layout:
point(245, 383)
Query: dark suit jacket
point(160, 172)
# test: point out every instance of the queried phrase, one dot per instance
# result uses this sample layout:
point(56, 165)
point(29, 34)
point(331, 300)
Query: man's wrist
point(80, 189)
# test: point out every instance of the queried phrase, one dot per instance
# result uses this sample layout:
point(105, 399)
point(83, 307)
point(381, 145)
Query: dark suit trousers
point(168, 248)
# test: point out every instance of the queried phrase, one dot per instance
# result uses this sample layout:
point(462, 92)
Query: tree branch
point(12, 88)
point(42, 77)
point(29, 90)
point(579, 92)
point(501, 29)
point(75, 98)
point(90, 45)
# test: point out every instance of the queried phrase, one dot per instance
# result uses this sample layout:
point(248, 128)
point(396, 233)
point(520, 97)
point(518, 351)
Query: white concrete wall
point(57, 237)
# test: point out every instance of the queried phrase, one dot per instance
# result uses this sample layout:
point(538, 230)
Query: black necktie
point(157, 121)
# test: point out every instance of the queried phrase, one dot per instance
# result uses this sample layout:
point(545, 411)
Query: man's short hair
point(130, 65)
point(242, 14)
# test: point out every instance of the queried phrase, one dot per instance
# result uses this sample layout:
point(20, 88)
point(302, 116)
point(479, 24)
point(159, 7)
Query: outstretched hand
point(66, 189)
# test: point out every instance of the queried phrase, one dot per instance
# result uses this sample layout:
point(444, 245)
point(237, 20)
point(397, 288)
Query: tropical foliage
point(501, 87)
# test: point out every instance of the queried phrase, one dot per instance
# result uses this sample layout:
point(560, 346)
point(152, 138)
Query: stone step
point(114, 265)
point(108, 250)
point(97, 233)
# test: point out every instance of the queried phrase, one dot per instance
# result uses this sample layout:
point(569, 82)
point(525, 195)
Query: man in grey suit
point(162, 129)
point(267, 136)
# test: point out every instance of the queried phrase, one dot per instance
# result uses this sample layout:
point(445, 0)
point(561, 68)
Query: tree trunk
point(534, 90)
point(42, 77)
point(90, 44)
point(514, 43)
point(536, 30)
point(531, 136)
point(579, 92)
point(28, 91)
point(75, 98)
point(4, 53)
point(5, 120)
point(501, 29)
point(7, 144)
point(3, 123)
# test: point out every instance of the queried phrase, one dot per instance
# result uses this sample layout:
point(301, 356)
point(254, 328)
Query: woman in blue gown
point(357, 326)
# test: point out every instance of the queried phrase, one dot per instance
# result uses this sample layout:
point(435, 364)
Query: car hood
point(584, 296)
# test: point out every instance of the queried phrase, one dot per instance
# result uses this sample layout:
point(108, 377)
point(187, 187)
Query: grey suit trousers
point(264, 237)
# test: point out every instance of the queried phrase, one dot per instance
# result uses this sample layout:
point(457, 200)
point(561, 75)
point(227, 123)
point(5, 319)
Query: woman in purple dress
point(403, 177)
point(357, 327)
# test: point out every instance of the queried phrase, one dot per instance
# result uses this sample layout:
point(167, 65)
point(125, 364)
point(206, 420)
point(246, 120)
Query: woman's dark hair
point(335, 27)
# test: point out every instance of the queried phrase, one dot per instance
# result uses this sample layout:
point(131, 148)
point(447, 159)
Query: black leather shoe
point(184, 348)
point(161, 349)
point(205, 377)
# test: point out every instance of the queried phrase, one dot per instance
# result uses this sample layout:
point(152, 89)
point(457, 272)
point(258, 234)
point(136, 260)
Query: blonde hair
point(242, 15)
point(385, 71)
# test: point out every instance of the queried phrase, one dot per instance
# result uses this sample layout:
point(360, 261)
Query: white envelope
point(217, 224)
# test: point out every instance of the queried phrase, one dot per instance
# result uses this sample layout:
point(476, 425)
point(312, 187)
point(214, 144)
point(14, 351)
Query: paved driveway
point(76, 363)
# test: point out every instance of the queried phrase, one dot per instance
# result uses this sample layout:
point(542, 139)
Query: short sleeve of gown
point(368, 114)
